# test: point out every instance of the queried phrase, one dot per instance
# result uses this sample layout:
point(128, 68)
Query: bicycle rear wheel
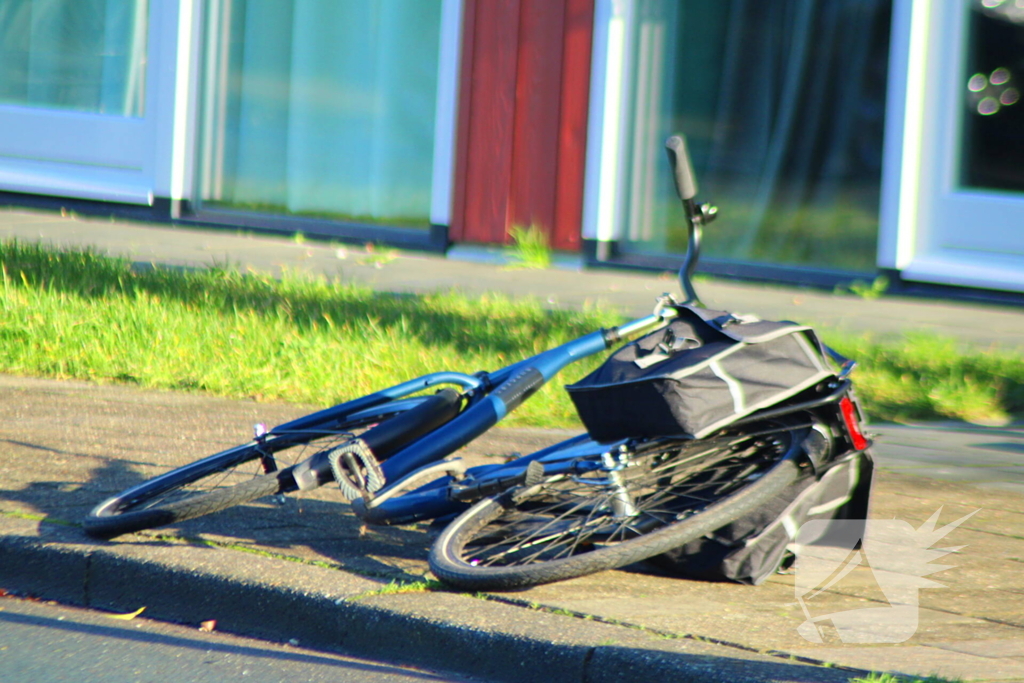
point(251, 471)
point(668, 494)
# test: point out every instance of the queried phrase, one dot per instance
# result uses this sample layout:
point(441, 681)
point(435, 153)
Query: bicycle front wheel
point(667, 494)
point(245, 473)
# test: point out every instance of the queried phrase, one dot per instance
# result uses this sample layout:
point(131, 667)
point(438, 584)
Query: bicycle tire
point(550, 531)
point(191, 507)
point(226, 479)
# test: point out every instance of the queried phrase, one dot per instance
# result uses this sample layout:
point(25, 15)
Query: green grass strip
point(33, 517)
point(68, 313)
point(78, 314)
point(926, 377)
point(889, 678)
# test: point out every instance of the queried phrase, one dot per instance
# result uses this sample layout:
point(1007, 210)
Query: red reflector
point(860, 441)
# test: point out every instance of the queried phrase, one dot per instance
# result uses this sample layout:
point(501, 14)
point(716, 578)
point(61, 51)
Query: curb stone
point(280, 600)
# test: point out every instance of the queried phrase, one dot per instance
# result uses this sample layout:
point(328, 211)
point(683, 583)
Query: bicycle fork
point(620, 499)
point(622, 502)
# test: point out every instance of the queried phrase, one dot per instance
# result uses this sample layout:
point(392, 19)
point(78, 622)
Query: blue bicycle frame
point(490, 398)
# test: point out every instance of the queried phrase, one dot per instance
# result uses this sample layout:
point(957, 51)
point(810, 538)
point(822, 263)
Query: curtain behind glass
point(83, 55)
point(783, 104)
point(322, 107)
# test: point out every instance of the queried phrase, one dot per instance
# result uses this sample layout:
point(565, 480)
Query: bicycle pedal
point(534, 473)
point(356, 469)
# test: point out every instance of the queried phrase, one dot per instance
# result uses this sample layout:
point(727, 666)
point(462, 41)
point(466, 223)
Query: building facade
point(841, 138)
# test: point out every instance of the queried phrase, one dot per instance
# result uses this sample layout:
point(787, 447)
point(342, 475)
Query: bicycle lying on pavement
point(628, 490)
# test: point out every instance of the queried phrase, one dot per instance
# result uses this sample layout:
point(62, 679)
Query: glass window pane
point(321, 107)
point(83, 55)
point(993, 124)
point(782, 102)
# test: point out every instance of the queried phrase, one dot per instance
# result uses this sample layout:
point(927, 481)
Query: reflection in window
point(321, 107)
point(83, 55)
point(782, 102)
point(993, 121)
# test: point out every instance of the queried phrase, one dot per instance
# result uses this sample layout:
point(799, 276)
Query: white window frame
point(446, 117)
point(604, 185)
point(108, 158)
point(930, 228)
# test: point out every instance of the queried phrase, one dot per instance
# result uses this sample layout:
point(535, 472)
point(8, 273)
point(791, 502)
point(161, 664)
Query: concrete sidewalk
point(308, 571)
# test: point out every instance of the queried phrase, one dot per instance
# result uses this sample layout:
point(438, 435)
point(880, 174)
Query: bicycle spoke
point(655, 487)
point(532, 538)
point(286, 447)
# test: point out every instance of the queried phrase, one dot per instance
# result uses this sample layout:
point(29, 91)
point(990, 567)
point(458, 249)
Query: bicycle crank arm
point(313, 472)
point(317, 470)
point(533, 474)
point(382, 440)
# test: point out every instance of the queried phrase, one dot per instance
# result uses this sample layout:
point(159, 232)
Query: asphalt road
point(43, 642)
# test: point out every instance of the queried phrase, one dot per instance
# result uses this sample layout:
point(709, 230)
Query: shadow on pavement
point(313, 529)
point(198, 645)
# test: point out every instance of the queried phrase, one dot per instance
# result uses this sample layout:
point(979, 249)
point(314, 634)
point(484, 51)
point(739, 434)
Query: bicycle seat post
point(697, 215)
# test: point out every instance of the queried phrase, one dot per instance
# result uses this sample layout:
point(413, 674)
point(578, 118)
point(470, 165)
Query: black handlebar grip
point(682, 169)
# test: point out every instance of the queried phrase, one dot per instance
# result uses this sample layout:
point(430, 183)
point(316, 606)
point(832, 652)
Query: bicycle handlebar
point(696, 216)
point(682, 168)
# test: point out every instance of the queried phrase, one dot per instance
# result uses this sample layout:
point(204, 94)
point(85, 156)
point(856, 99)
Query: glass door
point(77, 110)
point(324, 110)
point(782, 104)
point(961, 190)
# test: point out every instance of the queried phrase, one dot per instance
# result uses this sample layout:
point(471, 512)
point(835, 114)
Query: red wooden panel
point(457, 231)
point(489, 129)
point(523, 103)
point(572, 134)
point(538, 93)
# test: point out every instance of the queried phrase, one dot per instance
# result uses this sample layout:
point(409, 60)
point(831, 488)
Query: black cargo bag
point(703, 371)
point(756, 546)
